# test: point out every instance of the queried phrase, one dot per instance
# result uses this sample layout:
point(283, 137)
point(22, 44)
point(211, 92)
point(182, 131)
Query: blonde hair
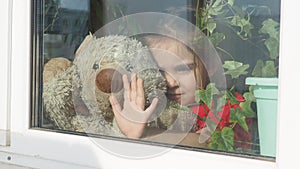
point(166, 42)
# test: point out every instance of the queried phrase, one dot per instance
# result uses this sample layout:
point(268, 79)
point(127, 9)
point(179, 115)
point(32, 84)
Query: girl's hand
point(133, 117)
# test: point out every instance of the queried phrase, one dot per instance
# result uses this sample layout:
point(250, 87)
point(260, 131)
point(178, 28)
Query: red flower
point(201, 124)
point(201, 111)
point(222, 119)
point(239, 97)
point(225, 114)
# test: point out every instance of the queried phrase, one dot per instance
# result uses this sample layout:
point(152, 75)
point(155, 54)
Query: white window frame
point(43, 149)
point(5, 51)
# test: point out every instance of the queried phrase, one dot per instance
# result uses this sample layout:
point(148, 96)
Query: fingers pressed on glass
point(133, 87)
point(134, 97)
point(126, 88)
point(140, 96)
point(132, 117)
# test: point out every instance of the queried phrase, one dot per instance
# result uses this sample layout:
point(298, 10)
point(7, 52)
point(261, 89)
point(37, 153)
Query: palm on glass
point(133, 117)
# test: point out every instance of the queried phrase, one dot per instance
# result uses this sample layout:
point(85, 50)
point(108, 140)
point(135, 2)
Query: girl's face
point(177, 65)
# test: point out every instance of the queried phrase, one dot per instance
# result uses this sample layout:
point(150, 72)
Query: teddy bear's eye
point(95, 66)
point(129, 67)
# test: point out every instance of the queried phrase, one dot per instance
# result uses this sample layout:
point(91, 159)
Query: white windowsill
point(36, 148)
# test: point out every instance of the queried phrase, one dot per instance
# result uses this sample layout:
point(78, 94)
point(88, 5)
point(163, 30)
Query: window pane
point(183, 74)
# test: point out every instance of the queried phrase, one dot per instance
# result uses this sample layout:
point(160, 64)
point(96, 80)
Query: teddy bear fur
point(72, 100)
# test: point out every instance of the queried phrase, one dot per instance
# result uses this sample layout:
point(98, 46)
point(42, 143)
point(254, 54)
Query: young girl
point(183, 70)
point(184, 73)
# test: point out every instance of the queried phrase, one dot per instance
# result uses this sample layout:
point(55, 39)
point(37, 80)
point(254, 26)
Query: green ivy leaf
point(216, 141)
point(237, 116)
point(206, 95)
point(244, 24)
point(249, 96)
point(247, 26)
point(231, 97)
point(247, 110)
point(228, 137)
point(216, 3)
point(216, 8)
point(271, 28)
point(262, 69)
point(257, 70)
point(211, 26)
point(272, 45)
point(269, 69)
point(216, 38)
point(223, 140)
point(213, 145)
point(235, 69)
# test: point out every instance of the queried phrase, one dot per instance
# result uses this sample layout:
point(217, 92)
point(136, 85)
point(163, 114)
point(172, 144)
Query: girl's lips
point(175, 97)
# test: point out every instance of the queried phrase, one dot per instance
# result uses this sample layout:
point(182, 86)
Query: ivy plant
point(223, 110)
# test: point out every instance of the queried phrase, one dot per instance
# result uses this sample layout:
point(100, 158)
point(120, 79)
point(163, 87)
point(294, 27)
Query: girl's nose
point(171, 82)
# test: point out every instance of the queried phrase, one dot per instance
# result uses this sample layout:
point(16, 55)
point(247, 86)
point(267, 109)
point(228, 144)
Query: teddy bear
point(75, 93)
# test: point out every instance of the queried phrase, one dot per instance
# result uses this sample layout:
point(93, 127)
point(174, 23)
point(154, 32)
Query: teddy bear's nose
point(109, 81)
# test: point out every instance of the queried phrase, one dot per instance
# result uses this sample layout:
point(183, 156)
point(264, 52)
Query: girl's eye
point(161, 70)
point(184, 68)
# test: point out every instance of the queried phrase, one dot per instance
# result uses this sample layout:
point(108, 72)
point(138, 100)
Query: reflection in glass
point(79, 72)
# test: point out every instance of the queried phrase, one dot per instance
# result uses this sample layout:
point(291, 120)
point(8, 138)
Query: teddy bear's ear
point(54, 67)
point(84, 43)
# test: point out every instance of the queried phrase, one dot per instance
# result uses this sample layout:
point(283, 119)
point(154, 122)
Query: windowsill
point(64, 149)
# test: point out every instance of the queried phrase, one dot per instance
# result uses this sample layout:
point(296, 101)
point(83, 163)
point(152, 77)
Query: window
point(44, 148)
point(195, 58)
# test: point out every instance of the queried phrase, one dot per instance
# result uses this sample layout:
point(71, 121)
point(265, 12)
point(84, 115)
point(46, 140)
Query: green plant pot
point(266, 93)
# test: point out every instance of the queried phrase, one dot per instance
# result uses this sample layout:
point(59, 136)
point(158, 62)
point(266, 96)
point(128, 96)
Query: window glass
point(192, 74)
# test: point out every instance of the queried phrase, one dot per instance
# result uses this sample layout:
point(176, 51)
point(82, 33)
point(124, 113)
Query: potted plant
point(256, 35)
point(265, 89)
point(266, 92)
